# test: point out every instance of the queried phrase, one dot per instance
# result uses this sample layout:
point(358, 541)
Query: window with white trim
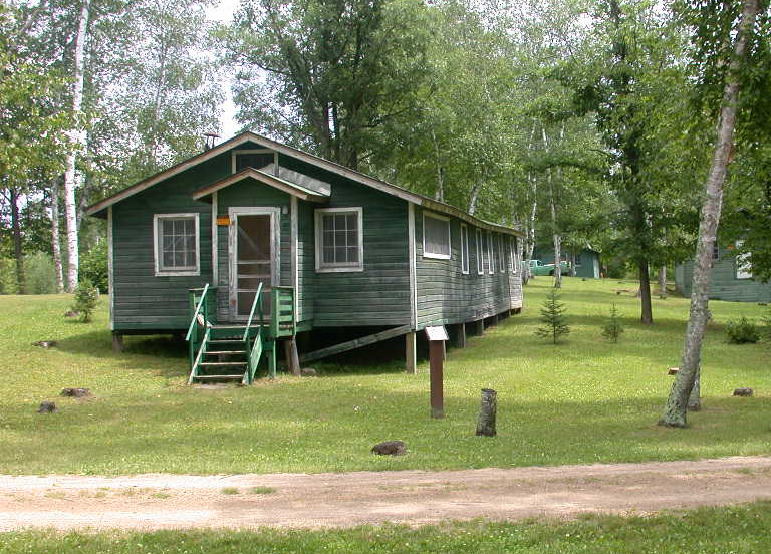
point(490, 254)
point(176, 244)
point(513, 255)
point(436, 237)
point(501, 255)
point(743, 263)
point(480, 253)
point(464, 261)
point(339, 244)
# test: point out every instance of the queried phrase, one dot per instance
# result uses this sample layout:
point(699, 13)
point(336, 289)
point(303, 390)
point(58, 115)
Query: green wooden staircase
point(233, 352)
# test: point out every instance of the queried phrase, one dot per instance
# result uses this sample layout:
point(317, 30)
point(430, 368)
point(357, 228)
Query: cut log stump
point(390, 448)
point(743, 391)
point(487, 413)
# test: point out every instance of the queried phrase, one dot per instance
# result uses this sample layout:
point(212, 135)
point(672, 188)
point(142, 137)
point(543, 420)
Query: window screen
point(501, 255)
point(255, 161)
point(513, 251)
point(480, 253)
point(464, 249)
point(436, 239)
point(490, 254)
point(176, 237)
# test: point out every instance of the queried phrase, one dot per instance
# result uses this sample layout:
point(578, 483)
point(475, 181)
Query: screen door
point(253, 261)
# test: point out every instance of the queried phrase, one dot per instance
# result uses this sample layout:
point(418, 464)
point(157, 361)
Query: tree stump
point(673, 370)
point(47, 408)
point(487, 412)
point(743, 391)
point(77, 392)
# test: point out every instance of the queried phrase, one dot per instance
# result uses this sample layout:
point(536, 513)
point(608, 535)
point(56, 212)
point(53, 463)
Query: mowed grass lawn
point(583, 401)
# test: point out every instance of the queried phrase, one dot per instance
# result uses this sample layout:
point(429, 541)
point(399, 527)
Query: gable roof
point(249, 136)
point(271, 180)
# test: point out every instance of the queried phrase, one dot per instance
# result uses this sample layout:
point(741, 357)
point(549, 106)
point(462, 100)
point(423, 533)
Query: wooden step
point(225, 352)
point(221, 363)
point(226, 340)
point(239, 376)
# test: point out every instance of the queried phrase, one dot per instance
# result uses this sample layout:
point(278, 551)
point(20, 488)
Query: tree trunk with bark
point(56, 250)
point(76, 138)
point(18, 251)
point(675, 411)
point(663, 281)
point(646, 305)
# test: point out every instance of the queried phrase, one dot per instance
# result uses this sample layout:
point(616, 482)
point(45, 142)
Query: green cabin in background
point(586, 260)
point(732, 278)
point(345, 249)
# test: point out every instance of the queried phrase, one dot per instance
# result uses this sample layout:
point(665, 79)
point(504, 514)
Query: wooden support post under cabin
point(479, 327)
point(444, 350)
point(292, 359)
point(494, 319)
point(303, 341)
point(411, 340)
point(460, 335)
point(117, 342)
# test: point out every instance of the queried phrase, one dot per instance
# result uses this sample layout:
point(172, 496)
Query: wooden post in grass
point(411, 340)
point(292, 359)
point(487, 411)
point(117, 342)
point(460, 337)
point(437, 335)
point(479, 327)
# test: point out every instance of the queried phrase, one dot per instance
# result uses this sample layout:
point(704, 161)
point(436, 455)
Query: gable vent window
point(259, 159)
point(176, 244)
point(339, 239)
point(436, 237)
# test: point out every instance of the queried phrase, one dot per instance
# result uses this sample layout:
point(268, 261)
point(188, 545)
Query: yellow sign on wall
point(223, 220)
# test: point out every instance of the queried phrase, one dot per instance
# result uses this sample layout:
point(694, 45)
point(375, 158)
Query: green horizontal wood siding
point(445, 295)
point(140, 299)
point(725, 285)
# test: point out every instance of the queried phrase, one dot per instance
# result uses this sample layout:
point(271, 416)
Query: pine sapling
point(613, 327)
point(553, 318)
point(86, 297)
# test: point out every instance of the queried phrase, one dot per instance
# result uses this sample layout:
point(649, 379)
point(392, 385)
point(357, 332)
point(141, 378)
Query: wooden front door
point(253, 248)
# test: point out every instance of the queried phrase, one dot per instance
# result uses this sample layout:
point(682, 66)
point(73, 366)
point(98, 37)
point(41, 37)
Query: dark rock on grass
point(308, 372)
point(390, 448)
point(47, 408)
point(45, 343)
point(77, 392)
point(743, 391)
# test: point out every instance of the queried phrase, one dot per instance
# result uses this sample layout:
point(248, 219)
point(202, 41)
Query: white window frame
point(322, 267)
point(187, 272)
point(464, 254)
point(743, 264)
point(490, 253)
point(513, 254)
point(235, 153)
point(480, 253)
point(433, 255)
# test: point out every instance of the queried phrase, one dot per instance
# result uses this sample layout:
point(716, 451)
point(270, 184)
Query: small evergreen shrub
point(613, 327)
point(742, 331)
point(553, 318)
point(86, 297)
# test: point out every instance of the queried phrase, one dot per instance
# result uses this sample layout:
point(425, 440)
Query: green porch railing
point(282, 317)
point(253, 339)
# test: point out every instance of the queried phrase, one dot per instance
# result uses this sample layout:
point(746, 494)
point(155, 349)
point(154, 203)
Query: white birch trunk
point(55, 236)
point(76, 139)
point(675, 411)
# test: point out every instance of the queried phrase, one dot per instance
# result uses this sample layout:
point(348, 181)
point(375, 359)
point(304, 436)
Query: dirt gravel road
point(348, 499)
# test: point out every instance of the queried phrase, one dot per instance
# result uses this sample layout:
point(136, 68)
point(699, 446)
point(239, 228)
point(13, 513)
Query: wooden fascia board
point(250, 173)
point(468, 218)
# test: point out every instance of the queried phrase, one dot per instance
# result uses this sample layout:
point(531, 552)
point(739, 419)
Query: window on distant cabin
point(480, 253)
point(743, 263)
point(339, 244)
point(464, 248)
point(264, 160)
point(176, 244)
point(490, 254)
point(436, 237)
point(513, 255)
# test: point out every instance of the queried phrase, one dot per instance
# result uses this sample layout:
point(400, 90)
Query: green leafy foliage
point(766, 323)
point(86, 297)
point(613, 327)
point(553, 318)
point(742, 331)
point(93, 266)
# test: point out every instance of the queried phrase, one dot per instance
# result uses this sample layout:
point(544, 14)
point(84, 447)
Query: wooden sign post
point(436, 337)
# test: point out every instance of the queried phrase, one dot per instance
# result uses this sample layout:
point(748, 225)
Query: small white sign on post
point(437, 332)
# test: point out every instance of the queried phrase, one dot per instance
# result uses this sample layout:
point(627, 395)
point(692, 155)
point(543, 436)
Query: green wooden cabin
point(330, 247)
point(732, 278)
point(587, 261)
